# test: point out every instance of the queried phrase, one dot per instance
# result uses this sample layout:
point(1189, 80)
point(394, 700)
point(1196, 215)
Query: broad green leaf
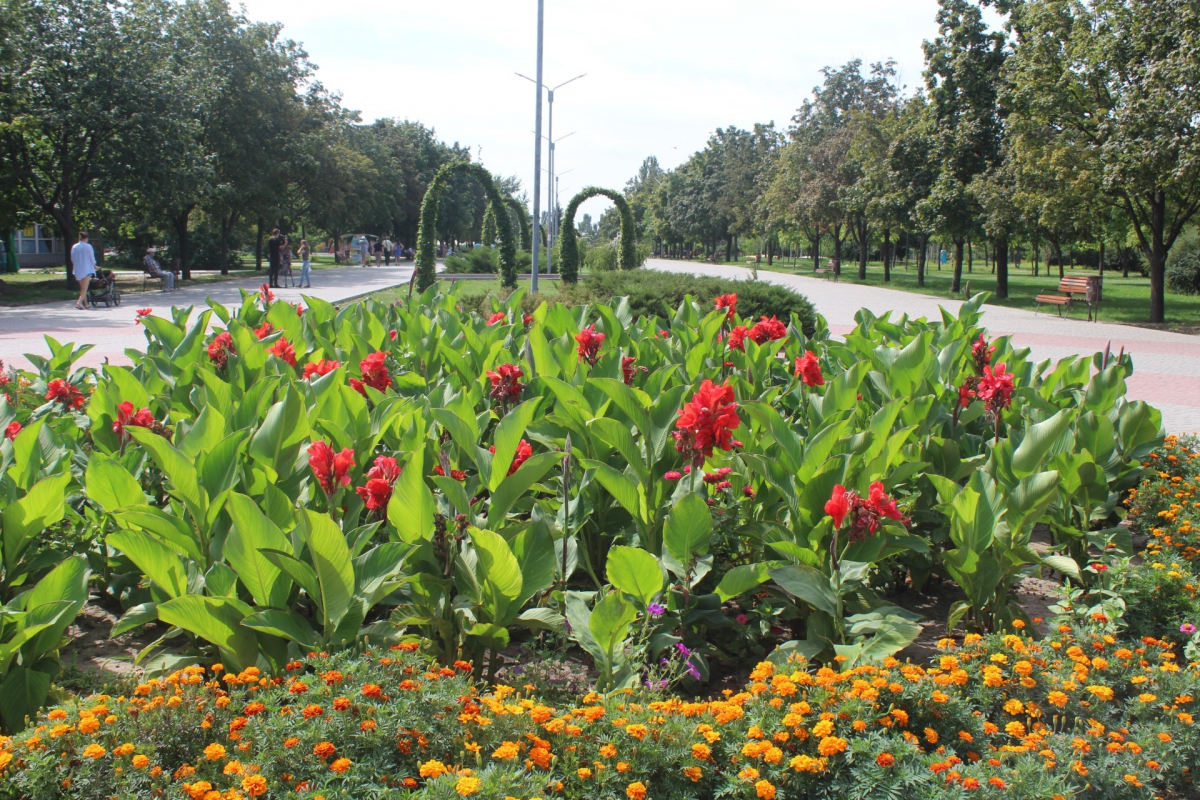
point(331, 562)
point(635, 572)
point(808, 584)
point(22, 693)
point(516, 485)
point(217, 620)
point(689, 529)
point(286, 624)
point(410, 511)
point(111, 485)
point(43, 506)
point(1039, 439)
point(508, 437)
point(252, 533)
point(742, 579)
point(155, 560)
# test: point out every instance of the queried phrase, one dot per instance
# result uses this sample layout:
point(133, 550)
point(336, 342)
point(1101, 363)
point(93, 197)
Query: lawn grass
point(470, 289)
point(1125, 300)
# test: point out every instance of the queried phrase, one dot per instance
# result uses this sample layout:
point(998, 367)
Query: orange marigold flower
point(140, 761)
point(636, 791)
point(214, 752)
point(608, 751)
point(694, 774)
point(970, 783)
point(94, 751)
point(832, 745)
point(584, 773)
point(372, 690)
point(637, 731)
point(312, 710)
point(506, 751)
point(291, 741)
point(701, 752)
point(341, 704)
point(931, 735)
point(340, 766)
point(885, 760)
point(324, 749)
point(254, 785)
point(765, 790)
point(432, 769)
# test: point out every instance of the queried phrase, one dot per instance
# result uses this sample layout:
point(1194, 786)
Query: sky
point(661, 75)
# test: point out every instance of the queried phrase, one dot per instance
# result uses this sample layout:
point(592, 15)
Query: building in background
point(39, 246)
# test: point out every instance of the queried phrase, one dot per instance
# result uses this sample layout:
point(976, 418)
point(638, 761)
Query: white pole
point(550, 188)
point(537, 155)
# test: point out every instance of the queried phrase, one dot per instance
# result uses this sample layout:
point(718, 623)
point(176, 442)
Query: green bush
point(1160, 598)
point(478, 260)
point(1183, 273)
point(654, 293)
point(602, 257)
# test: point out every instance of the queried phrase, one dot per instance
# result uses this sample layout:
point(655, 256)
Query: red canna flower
point(838, 505)
point(220, 348)
point(589, 344)
point(737, 338)
point(707, 421)
point(358, 386)
point(263, 331)
point(299, 310)
point(884, 505)
point(65, 393)
point(332, 469)
point(12, 430)
point(380, 480)
point(265, 294)
point(527, 319)
point(375, 372)
point(629, 369)
point(996, 388)
point(393, 334)
point(966, 392)
point(283, 350)
point(808, 369)
point(126, 418)
point(497, 318)
point(768, 330)
point(506, 383)
point(319, 369)
point(727, 302)
point(664, 334)
point(456, 474)
point(524, 451)
point(142, 312)
point(982, 354)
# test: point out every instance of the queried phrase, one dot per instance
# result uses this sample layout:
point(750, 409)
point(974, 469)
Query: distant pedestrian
point(285, 259)
point(305, 264)
point(378, 248)
point(274, 245)
point(364, 249)
point(387, 252)
point(83, 264)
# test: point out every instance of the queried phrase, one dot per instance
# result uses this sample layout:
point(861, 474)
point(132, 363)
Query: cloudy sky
point(661, 74)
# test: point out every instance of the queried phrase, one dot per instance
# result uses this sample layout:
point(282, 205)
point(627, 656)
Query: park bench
point(1073, 290)
point(827, 271)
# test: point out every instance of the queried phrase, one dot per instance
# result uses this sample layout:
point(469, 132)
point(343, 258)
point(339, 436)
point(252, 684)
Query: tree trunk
point(1156, 256)
point(921, 255)
point(816, 243)
point(956, 286)
point(770, 250)
point(971, 257)
point(1058, 256)
point(258, 245)
point(1000, 264)
point(64, 218)
point(1102, 259)
point(860, 235)
point(837, 252)
point(728, 249)
point(180, 223)
point(887, 255)
point(1036, 254)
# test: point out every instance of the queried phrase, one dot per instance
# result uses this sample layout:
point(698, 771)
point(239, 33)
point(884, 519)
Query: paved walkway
point(113, 330)
point(1166, 365)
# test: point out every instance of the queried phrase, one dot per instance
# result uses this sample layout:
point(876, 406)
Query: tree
point(913, 169)
point(87, 95)
point(1118, 82)
point(963, 79)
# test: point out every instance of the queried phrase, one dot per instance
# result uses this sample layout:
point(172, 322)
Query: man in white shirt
point(387, 252)
point(83, 264)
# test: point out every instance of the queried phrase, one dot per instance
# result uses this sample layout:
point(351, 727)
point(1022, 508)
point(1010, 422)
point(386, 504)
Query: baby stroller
point(103, 289)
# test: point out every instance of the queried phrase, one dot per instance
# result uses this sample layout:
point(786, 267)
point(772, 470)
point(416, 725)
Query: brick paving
point(1166, 365)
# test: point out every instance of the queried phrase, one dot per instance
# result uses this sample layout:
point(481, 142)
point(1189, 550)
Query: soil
point(93, 656)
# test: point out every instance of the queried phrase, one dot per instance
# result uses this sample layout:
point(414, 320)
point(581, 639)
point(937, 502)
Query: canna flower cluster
point(506, 383)
point(319, 369)
point(374, 374)
point(381, 477)
point(331, 469)
point(866, 514)
point(589, 344)
point(707, 421)
point(67, 394)
point(220, 348)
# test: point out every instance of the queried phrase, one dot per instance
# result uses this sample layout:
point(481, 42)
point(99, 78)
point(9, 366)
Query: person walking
point(387, 252)
point(305, 264)
point(378, 248)
point(274, 245)
point(83, 265)
point(364, 250)
point(285, 260)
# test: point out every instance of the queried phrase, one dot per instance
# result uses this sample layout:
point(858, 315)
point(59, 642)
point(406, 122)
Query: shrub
point(1183, 274)
point(1161, 599)
point(602, 257)
point(478, 260)
point(653, 293)
point(1164, 506)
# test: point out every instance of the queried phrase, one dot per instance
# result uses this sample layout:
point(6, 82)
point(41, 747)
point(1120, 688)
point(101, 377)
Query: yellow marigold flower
point(467, 786)
point(140, 761)
point(432, 769)
point(637, 731)
point(94, 751)
point(765, 790)
point(233, 768)
point(636, 791)
point(694, 774)
point(1101, 692)
point(931, 735)
point(214, 752)
point(1057, 698)
point(1146, 697)
point(584, 773)
point(701, 752)
point(89, 725)
point(822, 728)
point(254, 785)
point(608, 751)
point(1014, 707)
point(748, 774)
point(832, 745)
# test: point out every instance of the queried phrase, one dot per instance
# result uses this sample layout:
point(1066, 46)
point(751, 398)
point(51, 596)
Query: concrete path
point(112, 330)
point(1166, 365)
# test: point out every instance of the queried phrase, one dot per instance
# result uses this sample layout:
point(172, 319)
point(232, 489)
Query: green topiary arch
point(427, 229)
point(488, 231)
point(569, 242)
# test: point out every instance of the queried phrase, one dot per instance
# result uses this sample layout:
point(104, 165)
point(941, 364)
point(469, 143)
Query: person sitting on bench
point(155, 271)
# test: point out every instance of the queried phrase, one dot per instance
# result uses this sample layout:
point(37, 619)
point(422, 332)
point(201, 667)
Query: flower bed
point(1074, 714)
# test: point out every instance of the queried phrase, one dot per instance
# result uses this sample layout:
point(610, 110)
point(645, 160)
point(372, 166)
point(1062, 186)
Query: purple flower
point(691, 670)
point(1187, 628)
point(673, 475)
point(742, 619)
point(656, 609)
point(683, 649)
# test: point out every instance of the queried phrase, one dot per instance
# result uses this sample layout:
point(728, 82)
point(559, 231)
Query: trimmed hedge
point(654, 293)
